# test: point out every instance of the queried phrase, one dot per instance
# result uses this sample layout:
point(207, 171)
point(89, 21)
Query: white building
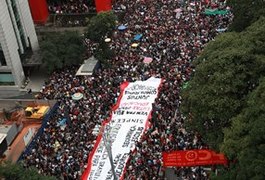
point(17, 38)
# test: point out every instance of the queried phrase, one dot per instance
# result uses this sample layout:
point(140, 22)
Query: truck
point(36, 112)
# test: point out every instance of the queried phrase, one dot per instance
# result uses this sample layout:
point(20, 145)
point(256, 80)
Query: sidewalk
point(36, 80)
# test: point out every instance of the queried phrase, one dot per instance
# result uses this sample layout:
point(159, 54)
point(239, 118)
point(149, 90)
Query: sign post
point(108, 143)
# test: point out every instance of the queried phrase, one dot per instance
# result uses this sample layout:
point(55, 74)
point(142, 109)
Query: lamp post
point(108, 143)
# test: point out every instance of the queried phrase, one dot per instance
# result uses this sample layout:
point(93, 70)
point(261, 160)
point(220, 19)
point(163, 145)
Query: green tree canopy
point(62, 49)
point(100, 26)
point(10, 171)
point(226, 71)
point(244, 141)
point(246, 12)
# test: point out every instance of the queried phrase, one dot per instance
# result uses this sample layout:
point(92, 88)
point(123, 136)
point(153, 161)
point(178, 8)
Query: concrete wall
point(14, 24)
point(27, 22)
point(10, 45)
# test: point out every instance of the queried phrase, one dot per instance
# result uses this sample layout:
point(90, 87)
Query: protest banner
point(197, 157)
point(128, 122)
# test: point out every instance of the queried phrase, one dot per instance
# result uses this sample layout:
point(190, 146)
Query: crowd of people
point(173, 34)
point(71, 6)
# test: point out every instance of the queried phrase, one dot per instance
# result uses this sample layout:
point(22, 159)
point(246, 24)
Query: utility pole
point(108, 143)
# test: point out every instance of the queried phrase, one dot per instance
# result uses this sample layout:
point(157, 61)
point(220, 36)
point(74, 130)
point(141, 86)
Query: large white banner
point(128, 122)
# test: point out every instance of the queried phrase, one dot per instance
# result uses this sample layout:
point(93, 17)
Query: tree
point(101, 26)
point(226, 72)
point(246, 12)
point(62, 49)
point(244, 141)
point(10, 171)
point(104, 53)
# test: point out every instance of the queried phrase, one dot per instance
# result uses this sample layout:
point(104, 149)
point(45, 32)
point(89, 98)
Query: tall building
point(17, 39)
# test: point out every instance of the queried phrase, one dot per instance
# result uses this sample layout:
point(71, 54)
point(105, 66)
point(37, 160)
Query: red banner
point(39, 11)
point(103, 5)
point(193, 158)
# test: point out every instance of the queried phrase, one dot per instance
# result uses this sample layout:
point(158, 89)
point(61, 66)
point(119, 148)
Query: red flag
point(103, 5)
point(193, 158)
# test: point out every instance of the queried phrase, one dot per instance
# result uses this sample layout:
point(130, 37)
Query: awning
point(88, 67)
point(2, 137)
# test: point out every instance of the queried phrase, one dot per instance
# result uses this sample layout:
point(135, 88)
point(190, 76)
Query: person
point(173, 43)
point(70, 6)
point(29, 90)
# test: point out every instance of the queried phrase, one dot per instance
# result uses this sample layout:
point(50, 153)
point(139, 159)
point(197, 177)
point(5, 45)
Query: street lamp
point(108, 143)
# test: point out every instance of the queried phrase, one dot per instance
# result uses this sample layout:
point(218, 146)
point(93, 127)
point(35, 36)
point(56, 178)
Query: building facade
point(17, 38)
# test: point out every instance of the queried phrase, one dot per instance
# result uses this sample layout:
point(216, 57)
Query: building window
point(19, 24)
point(2, 57)
point(6, 78)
